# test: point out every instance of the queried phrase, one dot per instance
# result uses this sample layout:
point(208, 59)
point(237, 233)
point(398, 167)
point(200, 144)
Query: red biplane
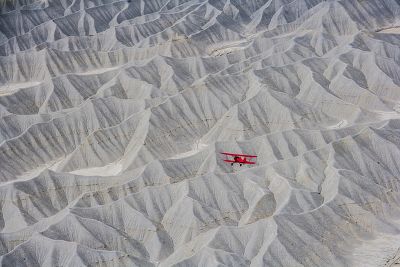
point(239, 158)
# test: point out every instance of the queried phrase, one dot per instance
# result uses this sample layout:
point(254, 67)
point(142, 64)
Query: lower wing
point(232, 161)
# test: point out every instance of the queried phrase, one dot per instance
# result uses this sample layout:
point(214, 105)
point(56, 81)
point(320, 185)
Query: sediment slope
point(113, 114)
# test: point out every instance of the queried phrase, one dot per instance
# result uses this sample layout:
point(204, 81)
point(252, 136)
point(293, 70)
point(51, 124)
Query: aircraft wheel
point(240, 165)
point(231, 164)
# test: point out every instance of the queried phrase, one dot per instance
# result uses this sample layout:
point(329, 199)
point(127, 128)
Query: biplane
point(239, 158)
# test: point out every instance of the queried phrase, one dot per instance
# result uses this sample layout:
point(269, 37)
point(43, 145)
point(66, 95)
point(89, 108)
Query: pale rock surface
point(113, 114)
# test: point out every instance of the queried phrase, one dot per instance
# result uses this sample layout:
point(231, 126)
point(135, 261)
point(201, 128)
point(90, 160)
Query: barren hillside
point(113, 115)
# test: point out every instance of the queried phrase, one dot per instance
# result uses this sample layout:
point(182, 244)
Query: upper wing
point(240, 155)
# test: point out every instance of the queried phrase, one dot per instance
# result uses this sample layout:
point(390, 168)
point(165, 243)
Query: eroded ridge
point(113, 115)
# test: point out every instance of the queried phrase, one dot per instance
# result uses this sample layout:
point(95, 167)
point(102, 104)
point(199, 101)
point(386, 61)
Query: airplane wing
point(240, 155)
point(227, 160)
point(232, 161)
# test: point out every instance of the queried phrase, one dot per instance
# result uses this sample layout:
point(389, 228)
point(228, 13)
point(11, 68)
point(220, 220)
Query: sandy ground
point(11, 88)
point(393, 30)
point(121, 165)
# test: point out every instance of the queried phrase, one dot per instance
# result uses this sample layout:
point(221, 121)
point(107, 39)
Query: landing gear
point(240, 164)
point(232, 164)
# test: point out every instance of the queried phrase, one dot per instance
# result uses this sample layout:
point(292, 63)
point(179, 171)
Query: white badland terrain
point(114, 114)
